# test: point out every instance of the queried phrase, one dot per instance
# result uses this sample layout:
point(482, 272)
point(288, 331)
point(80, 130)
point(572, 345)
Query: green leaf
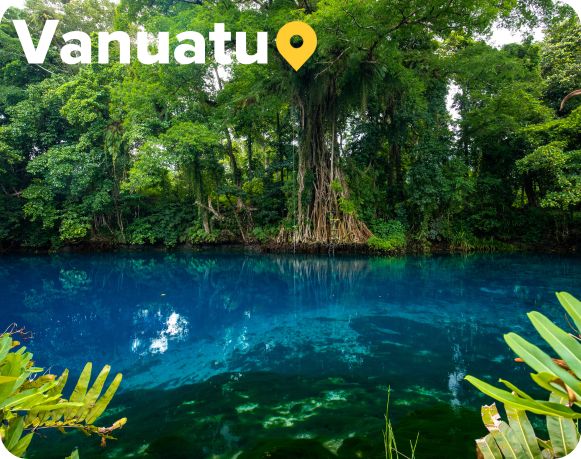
point(94, 392)
point(505, 437)
point(13, 433)
point(508, 442)
point(515, 389)
point(26, 397)
point(540, 361)
point(548, 382)
point(82, 384)
point(5, 346)
point(20, 449)
point(103, 402)
point(74, 455)
point(573, 307)
point(562, 432)
point(523, 429)
point(567, 347)
point(538, 407)
point(7, 379)
point(58, 406)
point(488, 447)
point(61, 382)
point(6, 390)
point(33, 402)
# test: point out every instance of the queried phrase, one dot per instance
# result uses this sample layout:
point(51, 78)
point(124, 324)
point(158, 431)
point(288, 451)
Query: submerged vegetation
point(405, 131)
point(32, 401)
point(561, 378)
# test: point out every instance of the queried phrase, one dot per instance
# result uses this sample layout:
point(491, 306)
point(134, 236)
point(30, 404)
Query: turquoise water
point(245, 355)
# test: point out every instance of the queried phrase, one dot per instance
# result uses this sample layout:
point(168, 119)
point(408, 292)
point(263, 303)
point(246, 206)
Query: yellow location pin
point(296, 57)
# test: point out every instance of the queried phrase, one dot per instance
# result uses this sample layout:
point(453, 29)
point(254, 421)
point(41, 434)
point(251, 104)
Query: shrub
point(73, 228)
point(263, 234)
point(388, 236)
point(199, 236)
point(141, 232)
point(464, 241)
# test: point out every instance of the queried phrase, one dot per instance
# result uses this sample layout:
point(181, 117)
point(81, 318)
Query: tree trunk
point(200, 194)
point(233, 163)
point(529, 188)
point(280, 147)
point(322, 219)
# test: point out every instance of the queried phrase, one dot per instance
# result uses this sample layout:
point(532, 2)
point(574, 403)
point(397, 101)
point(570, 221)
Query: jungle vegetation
point(560, 377)
point(358, 147)
point(31, 399)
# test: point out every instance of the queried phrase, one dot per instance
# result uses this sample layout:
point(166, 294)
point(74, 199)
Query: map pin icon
point(296, 57)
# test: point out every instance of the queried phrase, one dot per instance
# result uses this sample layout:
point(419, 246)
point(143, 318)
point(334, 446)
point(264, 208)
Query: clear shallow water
point(282, 355)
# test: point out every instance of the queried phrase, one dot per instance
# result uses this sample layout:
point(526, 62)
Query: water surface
point(282, 356)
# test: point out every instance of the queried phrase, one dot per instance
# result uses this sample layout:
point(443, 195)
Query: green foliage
point(347, 206)
point(32, 400)
point(555, 175)
point(560, 377)
point(336, 186)
point(73, 228)
point(96, 153)
point(561, 60)
point(265, 234)
point(389, 236)
point(464, 241)
point(167, 226)
point(199, 236)
point(141, 232)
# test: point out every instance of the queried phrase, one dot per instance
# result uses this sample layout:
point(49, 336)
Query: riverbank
point(439, 248)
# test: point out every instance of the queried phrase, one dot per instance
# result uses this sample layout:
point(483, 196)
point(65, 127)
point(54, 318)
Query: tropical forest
point(361, 146)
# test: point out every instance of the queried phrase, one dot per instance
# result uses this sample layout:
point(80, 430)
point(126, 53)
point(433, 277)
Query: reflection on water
point(173, 327)
point(226, 353)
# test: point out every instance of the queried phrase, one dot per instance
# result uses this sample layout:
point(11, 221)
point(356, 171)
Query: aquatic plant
point(32, 399)
point(561, 377)
point(389, 440)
